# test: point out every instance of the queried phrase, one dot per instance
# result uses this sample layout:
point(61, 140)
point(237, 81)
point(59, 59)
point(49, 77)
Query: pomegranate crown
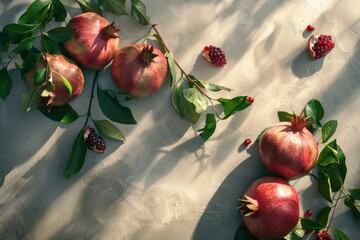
point(111, 30)
point(147, 54)
point(299, 122)
point(248, 206)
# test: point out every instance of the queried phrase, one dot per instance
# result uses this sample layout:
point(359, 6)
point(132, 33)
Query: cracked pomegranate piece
point(214, 55)
point(94, 141)
point(320, 46)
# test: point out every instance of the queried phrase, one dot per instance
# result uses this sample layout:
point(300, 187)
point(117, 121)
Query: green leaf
point(115, 6)
point(77, 156)
point(5, 83)
point(61, 34)
point(233, 105)
point(40, 76)
point(29, 97)
point(327, 156)
point(60, 13)
point(66, 83)
point(50, 45)
point(64, 114)
point(177, 94)
point(296, 233)
point(89, 6)
point(339, 235)
point(4, 42)
point(328, 130)
point(113, 109)
point(106, 128)
point(24, 46)
point(284, 116)
point(209, 128)
point(36, 12)
point(172, 67)
point(194, 96)
point(336, 179)
point(353, 202)
point(188, 109)
point(17, 32)
point(30, 62)
point(323, 216)
point(324, 186)
point(161, 42)
point(309, 224)
point(209, 86)
point(138, 12)
point(315, 110)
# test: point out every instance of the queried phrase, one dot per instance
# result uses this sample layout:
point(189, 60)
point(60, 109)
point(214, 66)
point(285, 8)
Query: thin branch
point(88, 113)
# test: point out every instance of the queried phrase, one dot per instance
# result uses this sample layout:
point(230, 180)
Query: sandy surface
point(164, 182)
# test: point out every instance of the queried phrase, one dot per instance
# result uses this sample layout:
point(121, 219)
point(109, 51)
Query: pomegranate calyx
point(111, 30)
point(147, 54)
point(299, 122)
point(248, 206)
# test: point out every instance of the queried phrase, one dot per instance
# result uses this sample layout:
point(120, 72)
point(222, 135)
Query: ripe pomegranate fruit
point(95, 41)
point(270, 207)
point(288, 149)
point(139, 69)
point(58, 68)
point(320, 46)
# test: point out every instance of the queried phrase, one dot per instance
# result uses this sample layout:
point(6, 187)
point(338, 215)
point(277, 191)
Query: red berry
point(250, 99)
point(308, 213)
point(247, 142)
point(214, 55)
point(310, 28)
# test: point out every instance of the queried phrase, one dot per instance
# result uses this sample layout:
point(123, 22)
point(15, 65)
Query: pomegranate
point(95, 41)
point(93, 140)
point(310, 28)
point(139, 69)
point(58, 69)
point(270, 207)
point(320, 46)
point(214, 55)
point(288, 149)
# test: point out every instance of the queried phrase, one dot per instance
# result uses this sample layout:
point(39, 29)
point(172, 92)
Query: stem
point(334, 208)
point(186, 75)
point(88, 113)
point(312, 175)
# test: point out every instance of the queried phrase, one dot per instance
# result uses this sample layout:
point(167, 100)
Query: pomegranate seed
point(250, 99)
point(308, 213)
point(310, 28)
point(247, 142)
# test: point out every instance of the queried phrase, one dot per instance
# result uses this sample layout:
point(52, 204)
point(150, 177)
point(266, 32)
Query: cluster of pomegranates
point(270, 206)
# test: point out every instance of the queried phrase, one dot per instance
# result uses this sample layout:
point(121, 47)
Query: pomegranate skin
point(59, 64)
point(277, 208)
point(134, 75)
point(95, 41)
point(288, 151)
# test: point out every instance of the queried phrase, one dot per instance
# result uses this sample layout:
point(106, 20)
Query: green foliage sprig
point(190, 98)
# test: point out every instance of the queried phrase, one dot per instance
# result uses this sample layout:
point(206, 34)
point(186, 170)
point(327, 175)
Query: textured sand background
point(164, 182)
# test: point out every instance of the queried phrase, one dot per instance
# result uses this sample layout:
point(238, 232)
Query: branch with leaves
point(189, 96)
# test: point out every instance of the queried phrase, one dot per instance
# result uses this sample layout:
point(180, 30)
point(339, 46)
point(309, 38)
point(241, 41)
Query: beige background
point(164, 182)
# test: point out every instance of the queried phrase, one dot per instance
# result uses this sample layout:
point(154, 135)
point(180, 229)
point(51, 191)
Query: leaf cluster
point(190, 99)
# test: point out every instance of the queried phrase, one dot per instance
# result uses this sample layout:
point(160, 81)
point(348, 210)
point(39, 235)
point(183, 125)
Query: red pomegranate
point(289, 149)
point(95, 41)
point(139, 69)
point(58, 68)
point(270, 207)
